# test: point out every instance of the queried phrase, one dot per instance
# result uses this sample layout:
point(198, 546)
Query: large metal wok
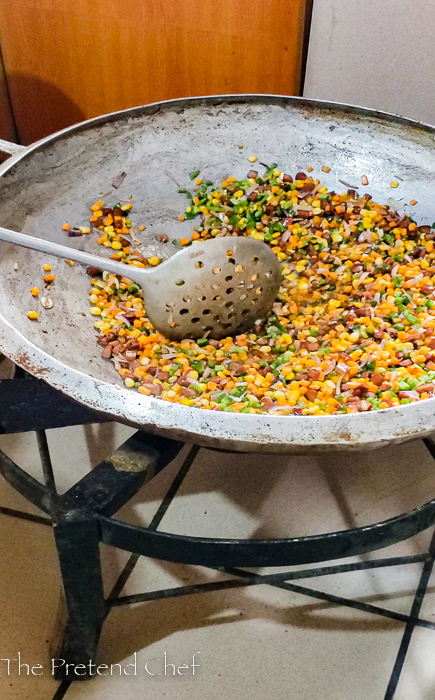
point(52, 181)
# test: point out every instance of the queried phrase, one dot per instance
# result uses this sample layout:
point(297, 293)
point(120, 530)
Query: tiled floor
point(254, 641)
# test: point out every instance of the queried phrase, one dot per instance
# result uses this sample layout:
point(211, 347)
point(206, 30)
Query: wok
point(54, 181)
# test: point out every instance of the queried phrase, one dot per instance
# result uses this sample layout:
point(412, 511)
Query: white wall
point(374, 53)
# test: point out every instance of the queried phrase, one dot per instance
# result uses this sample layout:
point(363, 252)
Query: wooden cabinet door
point(68, 60)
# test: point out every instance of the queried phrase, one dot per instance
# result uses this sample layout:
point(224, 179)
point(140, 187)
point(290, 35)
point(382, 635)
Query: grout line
point(121, 581)
point(172, 491)
point(22, 515)
point(411, 624)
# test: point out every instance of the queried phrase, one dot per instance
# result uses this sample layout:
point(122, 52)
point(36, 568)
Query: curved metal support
point(203, 551)
point(24, 483)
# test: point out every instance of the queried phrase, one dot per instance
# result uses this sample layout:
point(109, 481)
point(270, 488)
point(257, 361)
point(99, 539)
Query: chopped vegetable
point(119, 179)
point(352, 329)
point(47, 303)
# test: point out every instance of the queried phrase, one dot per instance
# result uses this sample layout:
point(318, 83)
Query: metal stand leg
point(77, 534)
point(77, 544)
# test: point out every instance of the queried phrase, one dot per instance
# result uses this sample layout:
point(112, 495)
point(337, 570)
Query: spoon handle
point(65, 252)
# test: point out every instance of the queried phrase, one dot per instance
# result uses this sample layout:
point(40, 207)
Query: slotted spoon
point(215, 288)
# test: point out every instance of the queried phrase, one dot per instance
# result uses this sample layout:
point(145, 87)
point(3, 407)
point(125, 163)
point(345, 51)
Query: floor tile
point(251, 641)
point(417, 680)
point(229, 495)
point(392, 588)
point(29, 594)
point(428, 606)
point(251, 644)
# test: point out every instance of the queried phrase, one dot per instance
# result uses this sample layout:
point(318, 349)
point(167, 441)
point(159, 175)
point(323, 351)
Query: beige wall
point(375, 53)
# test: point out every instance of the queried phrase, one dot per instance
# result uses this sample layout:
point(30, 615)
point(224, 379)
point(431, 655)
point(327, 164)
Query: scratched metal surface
point(54, 181)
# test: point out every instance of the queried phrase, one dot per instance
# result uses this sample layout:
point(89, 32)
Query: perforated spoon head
point(212, 289)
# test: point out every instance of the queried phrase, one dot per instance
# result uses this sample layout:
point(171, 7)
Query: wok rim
point(252, 432)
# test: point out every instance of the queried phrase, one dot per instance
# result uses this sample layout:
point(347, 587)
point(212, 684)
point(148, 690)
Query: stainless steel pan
point(52, 181)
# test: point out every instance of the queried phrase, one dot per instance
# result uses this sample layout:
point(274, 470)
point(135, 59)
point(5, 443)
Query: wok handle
point(12, 148)
point(63, 251)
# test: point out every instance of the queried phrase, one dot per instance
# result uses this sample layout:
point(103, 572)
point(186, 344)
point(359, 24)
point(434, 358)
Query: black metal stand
point(83, 517)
